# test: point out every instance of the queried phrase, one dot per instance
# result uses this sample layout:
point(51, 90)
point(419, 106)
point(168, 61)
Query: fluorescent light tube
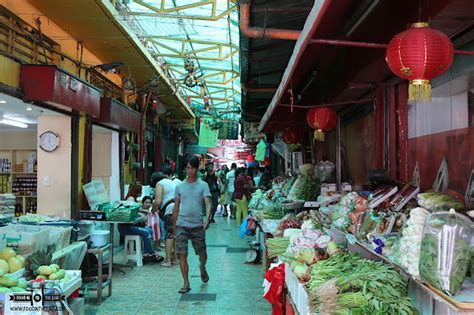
point(13, 123)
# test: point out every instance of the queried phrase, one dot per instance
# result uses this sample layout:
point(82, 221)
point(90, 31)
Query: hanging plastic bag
point(275, 293)
point(251, 226)
point(154, 223)
point(445, 250)
point(243, 227)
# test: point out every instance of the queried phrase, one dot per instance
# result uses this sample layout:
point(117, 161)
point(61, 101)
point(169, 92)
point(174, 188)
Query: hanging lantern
point(322, 119)
point(418, 55)
point(291, 136)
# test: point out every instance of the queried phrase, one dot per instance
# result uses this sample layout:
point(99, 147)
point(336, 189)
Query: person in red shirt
point(241, 194)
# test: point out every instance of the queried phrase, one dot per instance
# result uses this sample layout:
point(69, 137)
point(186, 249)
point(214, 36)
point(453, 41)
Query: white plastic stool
point(133, 249)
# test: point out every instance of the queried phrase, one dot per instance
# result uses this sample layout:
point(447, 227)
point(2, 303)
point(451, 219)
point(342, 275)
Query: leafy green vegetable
point(309, 189)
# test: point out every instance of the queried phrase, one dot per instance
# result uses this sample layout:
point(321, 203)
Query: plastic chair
point(133, 249)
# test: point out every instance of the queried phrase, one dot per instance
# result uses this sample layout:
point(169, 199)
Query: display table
point(100, 251)
point(427, 300)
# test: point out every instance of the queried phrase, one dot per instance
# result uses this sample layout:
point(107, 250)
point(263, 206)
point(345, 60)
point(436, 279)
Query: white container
point(99, 238)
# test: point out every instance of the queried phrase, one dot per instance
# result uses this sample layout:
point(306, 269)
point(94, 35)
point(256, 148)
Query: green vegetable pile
point(273, 211)
point(309, 189)
point(438, 201)
point(277, 246)
point(348, 284)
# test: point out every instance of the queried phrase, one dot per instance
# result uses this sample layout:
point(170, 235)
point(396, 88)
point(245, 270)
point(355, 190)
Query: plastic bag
point(445, 250)
point(243, 227)
point(275, 294)
point(325, 171)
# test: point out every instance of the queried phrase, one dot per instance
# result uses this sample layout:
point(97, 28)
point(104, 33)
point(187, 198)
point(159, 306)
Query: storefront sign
point(229, 131)
point(195, 149)
point(251, 133)
point(118, 115)
point(60, 89)
point(207, 135)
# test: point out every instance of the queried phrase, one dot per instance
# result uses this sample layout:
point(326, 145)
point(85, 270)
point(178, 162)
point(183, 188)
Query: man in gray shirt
point(190, 197)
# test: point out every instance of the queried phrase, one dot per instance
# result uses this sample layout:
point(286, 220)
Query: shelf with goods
point(18, 175)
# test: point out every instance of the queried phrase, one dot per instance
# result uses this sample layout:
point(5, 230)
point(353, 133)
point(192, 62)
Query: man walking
point(190, 196)
point(213, 182)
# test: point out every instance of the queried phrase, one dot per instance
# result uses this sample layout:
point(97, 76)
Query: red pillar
point(379, 161)
point(403, 132)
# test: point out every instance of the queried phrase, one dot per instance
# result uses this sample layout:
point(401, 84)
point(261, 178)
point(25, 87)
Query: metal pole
point(338, 155)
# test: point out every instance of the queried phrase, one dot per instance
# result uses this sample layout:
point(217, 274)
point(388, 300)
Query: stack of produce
point(7, 206)
point(345, 284)
point(9, 284)
point(410, 243)
point(273, 211)
point(438, 201)
point(445, 250)
point(276, 246)
point(345, 214)
point(51, 272)
point(289, 222)
point(10, 262)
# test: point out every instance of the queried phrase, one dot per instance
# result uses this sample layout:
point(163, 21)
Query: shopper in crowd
point(223, 182)
point(137, 227)
point(266, 181)
point(190, 196)
point(211, 179)
point(241, 194)
point(230, 178)
point(250, 174)
point(163, 205)
point(155, 222)
point(257, 176)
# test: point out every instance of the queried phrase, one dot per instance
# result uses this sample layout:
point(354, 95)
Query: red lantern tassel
point(419, 90)
point(319, 135)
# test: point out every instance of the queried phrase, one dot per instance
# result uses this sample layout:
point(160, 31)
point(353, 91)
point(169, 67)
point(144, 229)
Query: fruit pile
point(51, 272)
point(10, 262)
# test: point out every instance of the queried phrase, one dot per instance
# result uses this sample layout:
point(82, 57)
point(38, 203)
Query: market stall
point(363, 251)
point(38, 259)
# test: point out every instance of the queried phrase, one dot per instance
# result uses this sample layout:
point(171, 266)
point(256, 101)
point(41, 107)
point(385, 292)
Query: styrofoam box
point(72, 284)
point(297, 291)
point(25, 239)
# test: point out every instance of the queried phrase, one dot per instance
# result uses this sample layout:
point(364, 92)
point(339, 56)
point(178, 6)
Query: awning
point(117, 115)
point(56, 87)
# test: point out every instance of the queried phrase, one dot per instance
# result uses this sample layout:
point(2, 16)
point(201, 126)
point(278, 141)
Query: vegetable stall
point(389, 250)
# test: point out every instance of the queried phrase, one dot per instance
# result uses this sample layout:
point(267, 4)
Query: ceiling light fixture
point(3, 102)
point(13, 123)
point(29, 108)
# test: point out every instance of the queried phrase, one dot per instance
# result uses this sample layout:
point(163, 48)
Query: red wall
point(458, 148)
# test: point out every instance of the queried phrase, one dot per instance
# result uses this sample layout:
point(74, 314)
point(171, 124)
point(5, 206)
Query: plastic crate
point(59, 237)
point(123, 213)
point(24, 239)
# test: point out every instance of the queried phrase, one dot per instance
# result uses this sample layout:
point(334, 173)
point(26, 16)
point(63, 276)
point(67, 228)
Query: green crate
point(123, 213)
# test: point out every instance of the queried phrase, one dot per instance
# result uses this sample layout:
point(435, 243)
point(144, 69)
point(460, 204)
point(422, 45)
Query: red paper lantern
point(418, 55)
point(322, 119)
point(291, 136)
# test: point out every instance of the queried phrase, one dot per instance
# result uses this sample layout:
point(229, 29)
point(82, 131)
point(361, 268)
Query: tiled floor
point(234, 287)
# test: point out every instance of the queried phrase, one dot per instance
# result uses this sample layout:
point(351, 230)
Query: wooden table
point(100, 252)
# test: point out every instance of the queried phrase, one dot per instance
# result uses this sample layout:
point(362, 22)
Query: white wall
point(106, 160)
point(55, 198)
point(18, 140)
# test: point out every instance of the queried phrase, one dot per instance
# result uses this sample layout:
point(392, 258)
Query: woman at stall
point(241, 194)
point(137, 226)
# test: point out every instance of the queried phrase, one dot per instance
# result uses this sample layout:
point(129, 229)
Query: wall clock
point(49, 141)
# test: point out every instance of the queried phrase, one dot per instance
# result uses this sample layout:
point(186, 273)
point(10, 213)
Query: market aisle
point(233, 288)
